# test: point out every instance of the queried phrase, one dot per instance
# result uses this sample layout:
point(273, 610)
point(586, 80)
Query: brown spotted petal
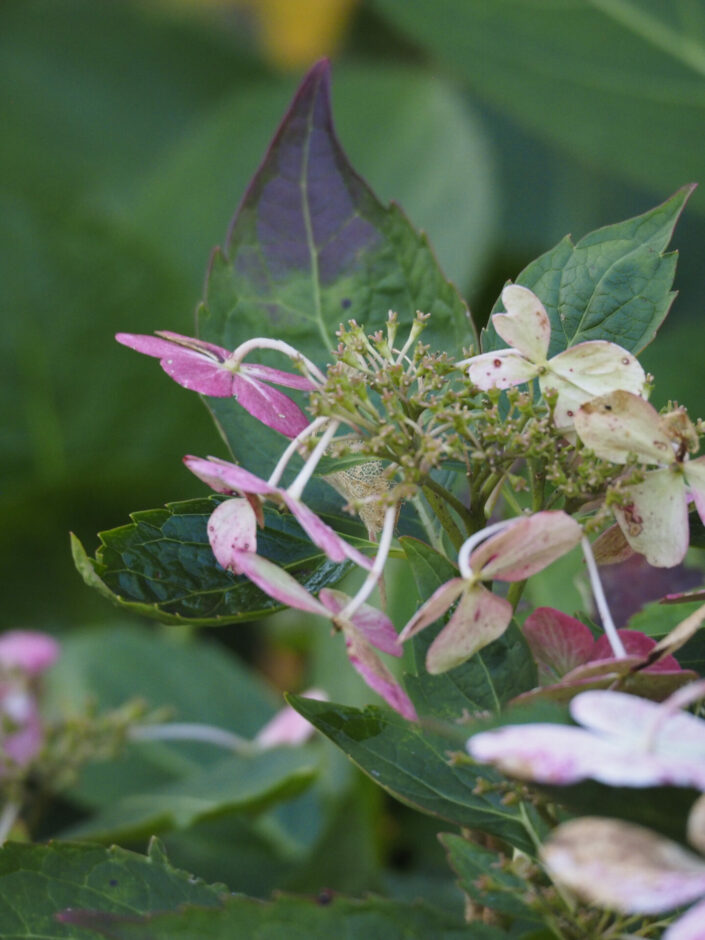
point(479, 618)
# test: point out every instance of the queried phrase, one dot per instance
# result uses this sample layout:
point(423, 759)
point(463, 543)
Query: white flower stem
point(8, 818)
point(262, 342)
point(375, 573)
point(191, 731)
point(469, 545)
point(601, 602)
point(292, 448)
point(306, 472)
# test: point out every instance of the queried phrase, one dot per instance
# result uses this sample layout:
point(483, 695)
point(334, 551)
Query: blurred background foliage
point(129, 133)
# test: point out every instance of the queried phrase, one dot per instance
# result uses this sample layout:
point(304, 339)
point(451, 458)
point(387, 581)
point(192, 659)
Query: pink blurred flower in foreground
point(577, 374)
point(655, 522)
point(216, 372)
point(624, 741)
point(232, 525)
point(288, 728)
point(523, 547)
point(24, 655)
point(627, 868)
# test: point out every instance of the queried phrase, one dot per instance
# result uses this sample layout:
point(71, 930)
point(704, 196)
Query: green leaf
point(618, 85)
point(412, 764)
point(39, 881)
point(614, 284)
point(485, 880)
point(234, 784)
point(310, 245)
point(496, 674)
point(104, 668)
point(293, 919)
point(161, 565)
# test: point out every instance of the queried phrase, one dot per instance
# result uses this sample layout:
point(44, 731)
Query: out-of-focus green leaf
point(614, 284)
point(293, 918)
point(486, 681)
point(161, 565)
point(412, 764)
point(310, 245)
point(37, 882)
point(194, 680)
point(617, 84)
point(233, 784)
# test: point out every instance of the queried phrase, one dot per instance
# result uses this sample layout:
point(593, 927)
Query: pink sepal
point(375, 626)
point(29, 651)
point(376, 675)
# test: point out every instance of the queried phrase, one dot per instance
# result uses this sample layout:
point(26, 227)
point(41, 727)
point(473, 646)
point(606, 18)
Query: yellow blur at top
point(293, 33)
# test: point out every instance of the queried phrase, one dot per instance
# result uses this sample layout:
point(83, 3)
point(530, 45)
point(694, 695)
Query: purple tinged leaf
point(321, 534)
point(526, 547)
point(635, 643)
point(624, 867)
point(437, 604)
point(277, 583)
point(375, 626)
point(375, 673)
point(232, 529)
point(479, 618)
point(557, 642)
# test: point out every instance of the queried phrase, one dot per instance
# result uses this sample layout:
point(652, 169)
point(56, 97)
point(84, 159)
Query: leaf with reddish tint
point(311, 245)
point(557, 642)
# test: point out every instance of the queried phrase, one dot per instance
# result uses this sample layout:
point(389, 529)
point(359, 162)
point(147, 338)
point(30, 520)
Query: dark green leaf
point(413, 764)
point(161, 565)
point(39, 881)
point(614, 284)
point(312, 245)
point(293, 919)
point(488, 680)
point(234, 784)
point(485, 880)
point(617, 85)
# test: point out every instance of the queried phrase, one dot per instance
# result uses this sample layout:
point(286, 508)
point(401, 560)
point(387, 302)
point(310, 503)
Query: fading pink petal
point(622, 423)
point(635, 643)
point(529, 545)
point(288, 728)
point(30, 651)
point(624, 867)
point(376, 675)
point(437, 604)
point(557, 642)
point(225, 477)
point(375, 626)
point(232, 529)
point(655, 521)
point(277, 377)
point(269, 406)
point(694, 471)
point(479, 618)
point(321, 534)
point(587, 370)
point(563, 755)
point(501, 369)
point(277, 583)
point(690, 926)
point(193, 368)
point(525, 325)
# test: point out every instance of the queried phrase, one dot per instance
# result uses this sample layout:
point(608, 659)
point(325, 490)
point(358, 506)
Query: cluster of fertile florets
point(587, 447)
